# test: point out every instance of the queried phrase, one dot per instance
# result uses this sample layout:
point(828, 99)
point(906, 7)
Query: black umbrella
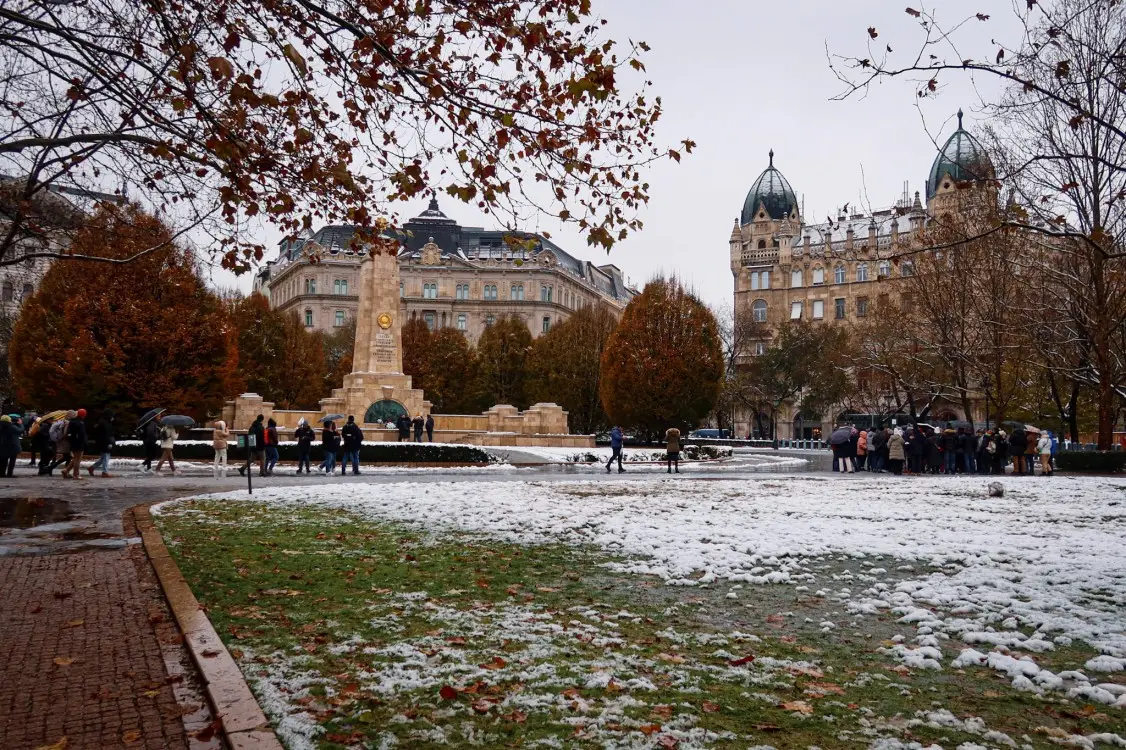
point(177, 420)
point(958, 424)
point(840, 436)
point(332, 417)
point(1013, 423)
point(150, 415)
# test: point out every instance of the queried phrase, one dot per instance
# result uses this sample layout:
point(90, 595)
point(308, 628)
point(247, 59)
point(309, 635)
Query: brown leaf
point(913, 12)
point(496, 663)
point(74, 623)
point(674, 658)
point(649, 729)
point(742, 660)
point(546, 589)
point(516, 717)
point(448, 693)
point(664, 710)
point(457, 640)
point(36, 608)
point(709, 707)
point(211, 653)
point(800, 706)
point(60, 745)
point(481, 706)
point(872, 32)
point(767, 728)
point(64, 661)
point(209, 731)
point(131, 736)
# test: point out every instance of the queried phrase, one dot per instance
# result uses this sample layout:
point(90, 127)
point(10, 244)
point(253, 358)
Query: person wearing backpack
point(271, 447)
point(62, 446)
point(305, 437)
point(103, 443)
point(10, 433)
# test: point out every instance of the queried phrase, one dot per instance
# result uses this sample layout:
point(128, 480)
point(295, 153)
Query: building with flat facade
point(837, 271)
point(451, 276)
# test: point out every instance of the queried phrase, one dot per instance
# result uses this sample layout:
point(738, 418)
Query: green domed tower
point(770, 198)
point(961, 163)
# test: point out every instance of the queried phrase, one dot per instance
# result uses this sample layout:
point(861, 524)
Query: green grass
point(379, 632)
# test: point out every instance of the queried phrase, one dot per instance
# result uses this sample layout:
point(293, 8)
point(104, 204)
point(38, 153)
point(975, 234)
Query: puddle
point(26, 512)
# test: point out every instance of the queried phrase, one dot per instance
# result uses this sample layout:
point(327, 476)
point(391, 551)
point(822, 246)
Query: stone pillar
point(379, 338)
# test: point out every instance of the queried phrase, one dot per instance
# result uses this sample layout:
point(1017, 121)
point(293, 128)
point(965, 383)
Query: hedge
point(369, 453)
point(1099, 462)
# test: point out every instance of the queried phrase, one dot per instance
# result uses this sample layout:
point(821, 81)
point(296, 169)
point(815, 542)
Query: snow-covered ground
point(982, 581)
point(590, 455)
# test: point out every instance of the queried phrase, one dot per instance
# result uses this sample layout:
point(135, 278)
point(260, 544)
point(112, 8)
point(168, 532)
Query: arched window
point(758, 311)
point(795, 278)
point(310, 286)
point(762, 244)
point(862, 272)
point(818, 275)
point(490, 291)
point(839, 274)
point(907, 268)
point(885, 268)
point(516, 292)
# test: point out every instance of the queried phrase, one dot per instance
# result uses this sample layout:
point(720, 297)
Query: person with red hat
point(76, 434)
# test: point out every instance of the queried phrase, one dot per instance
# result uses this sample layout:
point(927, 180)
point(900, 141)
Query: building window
point(490, 319)
point(28, 290)
point(400, 290)
point(862, 307)
point(516, 292)
point(462, 291)
point(795, 278)
point(818, 276)
point(462, 322)
point(309, 318)
point(885, 268)
point(546, 324)
point(862, 272)
point(760, 348)
point(907, 268)
point(430, 320)
point(340, 286)
point(762, 244)
point(430, 291)
point(545, 294)
point(818, 309)
point(758, 311)
point(754, 282)
point(765, 282)
point(490, 291)
point(9, 291)
point(310, 286)
point(839, 308)
point(839, 274)
point(795, 310)
point(339, 320)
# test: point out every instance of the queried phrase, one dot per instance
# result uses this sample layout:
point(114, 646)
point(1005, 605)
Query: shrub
point(1099, 462)
point(369, 453)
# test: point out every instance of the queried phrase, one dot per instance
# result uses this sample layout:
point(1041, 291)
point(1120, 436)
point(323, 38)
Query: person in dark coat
point(353, 438)
point(404, 425)
point(419, 424)
point(41, 443)
point(933, 453)
point(103, 444)
point(877, 441)
point(76, 435)
point(10, 433)
point(330, 442)
point(853, 448)
point(918, 451)
point(150, 439)
point(429, 428)
point(948, 441)
point(968, 449)
point(616, 438)
point(1001, 455)
point(1018, 443)
point(305, 436)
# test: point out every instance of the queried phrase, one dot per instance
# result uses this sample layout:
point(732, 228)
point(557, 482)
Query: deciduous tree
point(126, 338)
point(565, 367)
point(663, 364)
point(281, 360)
point(502, 356)
point(239, 111)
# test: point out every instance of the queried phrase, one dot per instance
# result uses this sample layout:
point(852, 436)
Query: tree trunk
point(1106, 411)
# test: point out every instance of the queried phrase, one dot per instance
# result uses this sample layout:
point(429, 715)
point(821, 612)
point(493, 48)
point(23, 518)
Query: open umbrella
point(150, 415)
point(1030, 428)
point(841, 435)
point(1013, 423)
point(958, 424)
point(177, 420)
point(50, 416)
point(332, 417)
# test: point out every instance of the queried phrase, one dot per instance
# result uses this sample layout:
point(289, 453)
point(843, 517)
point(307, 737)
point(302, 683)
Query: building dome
point(963, 158)
point(772, 192)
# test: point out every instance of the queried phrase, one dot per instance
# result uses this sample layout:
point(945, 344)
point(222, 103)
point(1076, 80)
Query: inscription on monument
point(384, 348)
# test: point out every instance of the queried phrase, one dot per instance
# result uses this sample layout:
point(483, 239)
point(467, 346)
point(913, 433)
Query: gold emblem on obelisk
point(384, 320)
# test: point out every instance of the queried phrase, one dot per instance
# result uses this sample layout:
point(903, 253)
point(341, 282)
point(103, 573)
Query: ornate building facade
point(451, 276)
point(837, 272)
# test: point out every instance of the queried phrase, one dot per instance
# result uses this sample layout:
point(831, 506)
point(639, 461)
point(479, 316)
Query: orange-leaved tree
point(127, 337)
point(663, 365)
point(281, 360)
point(502, 353)
point(565, 367)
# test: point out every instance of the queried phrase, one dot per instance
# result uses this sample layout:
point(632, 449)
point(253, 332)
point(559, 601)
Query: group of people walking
point(263, 439)
point(920, 449)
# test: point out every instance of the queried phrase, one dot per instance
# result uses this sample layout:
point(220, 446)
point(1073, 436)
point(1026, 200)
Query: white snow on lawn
point(984, 581)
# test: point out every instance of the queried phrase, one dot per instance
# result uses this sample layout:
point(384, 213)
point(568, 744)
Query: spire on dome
point(771, 158)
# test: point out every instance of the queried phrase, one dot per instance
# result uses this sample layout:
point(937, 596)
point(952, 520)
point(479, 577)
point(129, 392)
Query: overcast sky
point(742, 77)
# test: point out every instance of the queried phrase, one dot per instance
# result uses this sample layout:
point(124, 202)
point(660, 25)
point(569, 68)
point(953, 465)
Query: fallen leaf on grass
point(800, 707)
point(482, 706)
point(516, 717)
point(447, 692)
point(649, 729)
point(674, 658)
point(1053, 732)
point(496, 663)
point(664, 710)
point(822, 689)
point(64, 661)
point(546, 589)
point(767, 728)
point(742, 660)
point(60, 745)
point(807, 671)
point(709, 707)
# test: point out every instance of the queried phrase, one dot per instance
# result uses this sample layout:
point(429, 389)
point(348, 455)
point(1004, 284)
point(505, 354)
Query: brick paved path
point(89, 653)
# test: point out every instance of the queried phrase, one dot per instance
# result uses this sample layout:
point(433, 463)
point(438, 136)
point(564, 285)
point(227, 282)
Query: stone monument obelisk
point(377, 390)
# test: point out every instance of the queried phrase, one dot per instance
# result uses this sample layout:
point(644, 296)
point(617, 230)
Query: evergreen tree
point(663, 365)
